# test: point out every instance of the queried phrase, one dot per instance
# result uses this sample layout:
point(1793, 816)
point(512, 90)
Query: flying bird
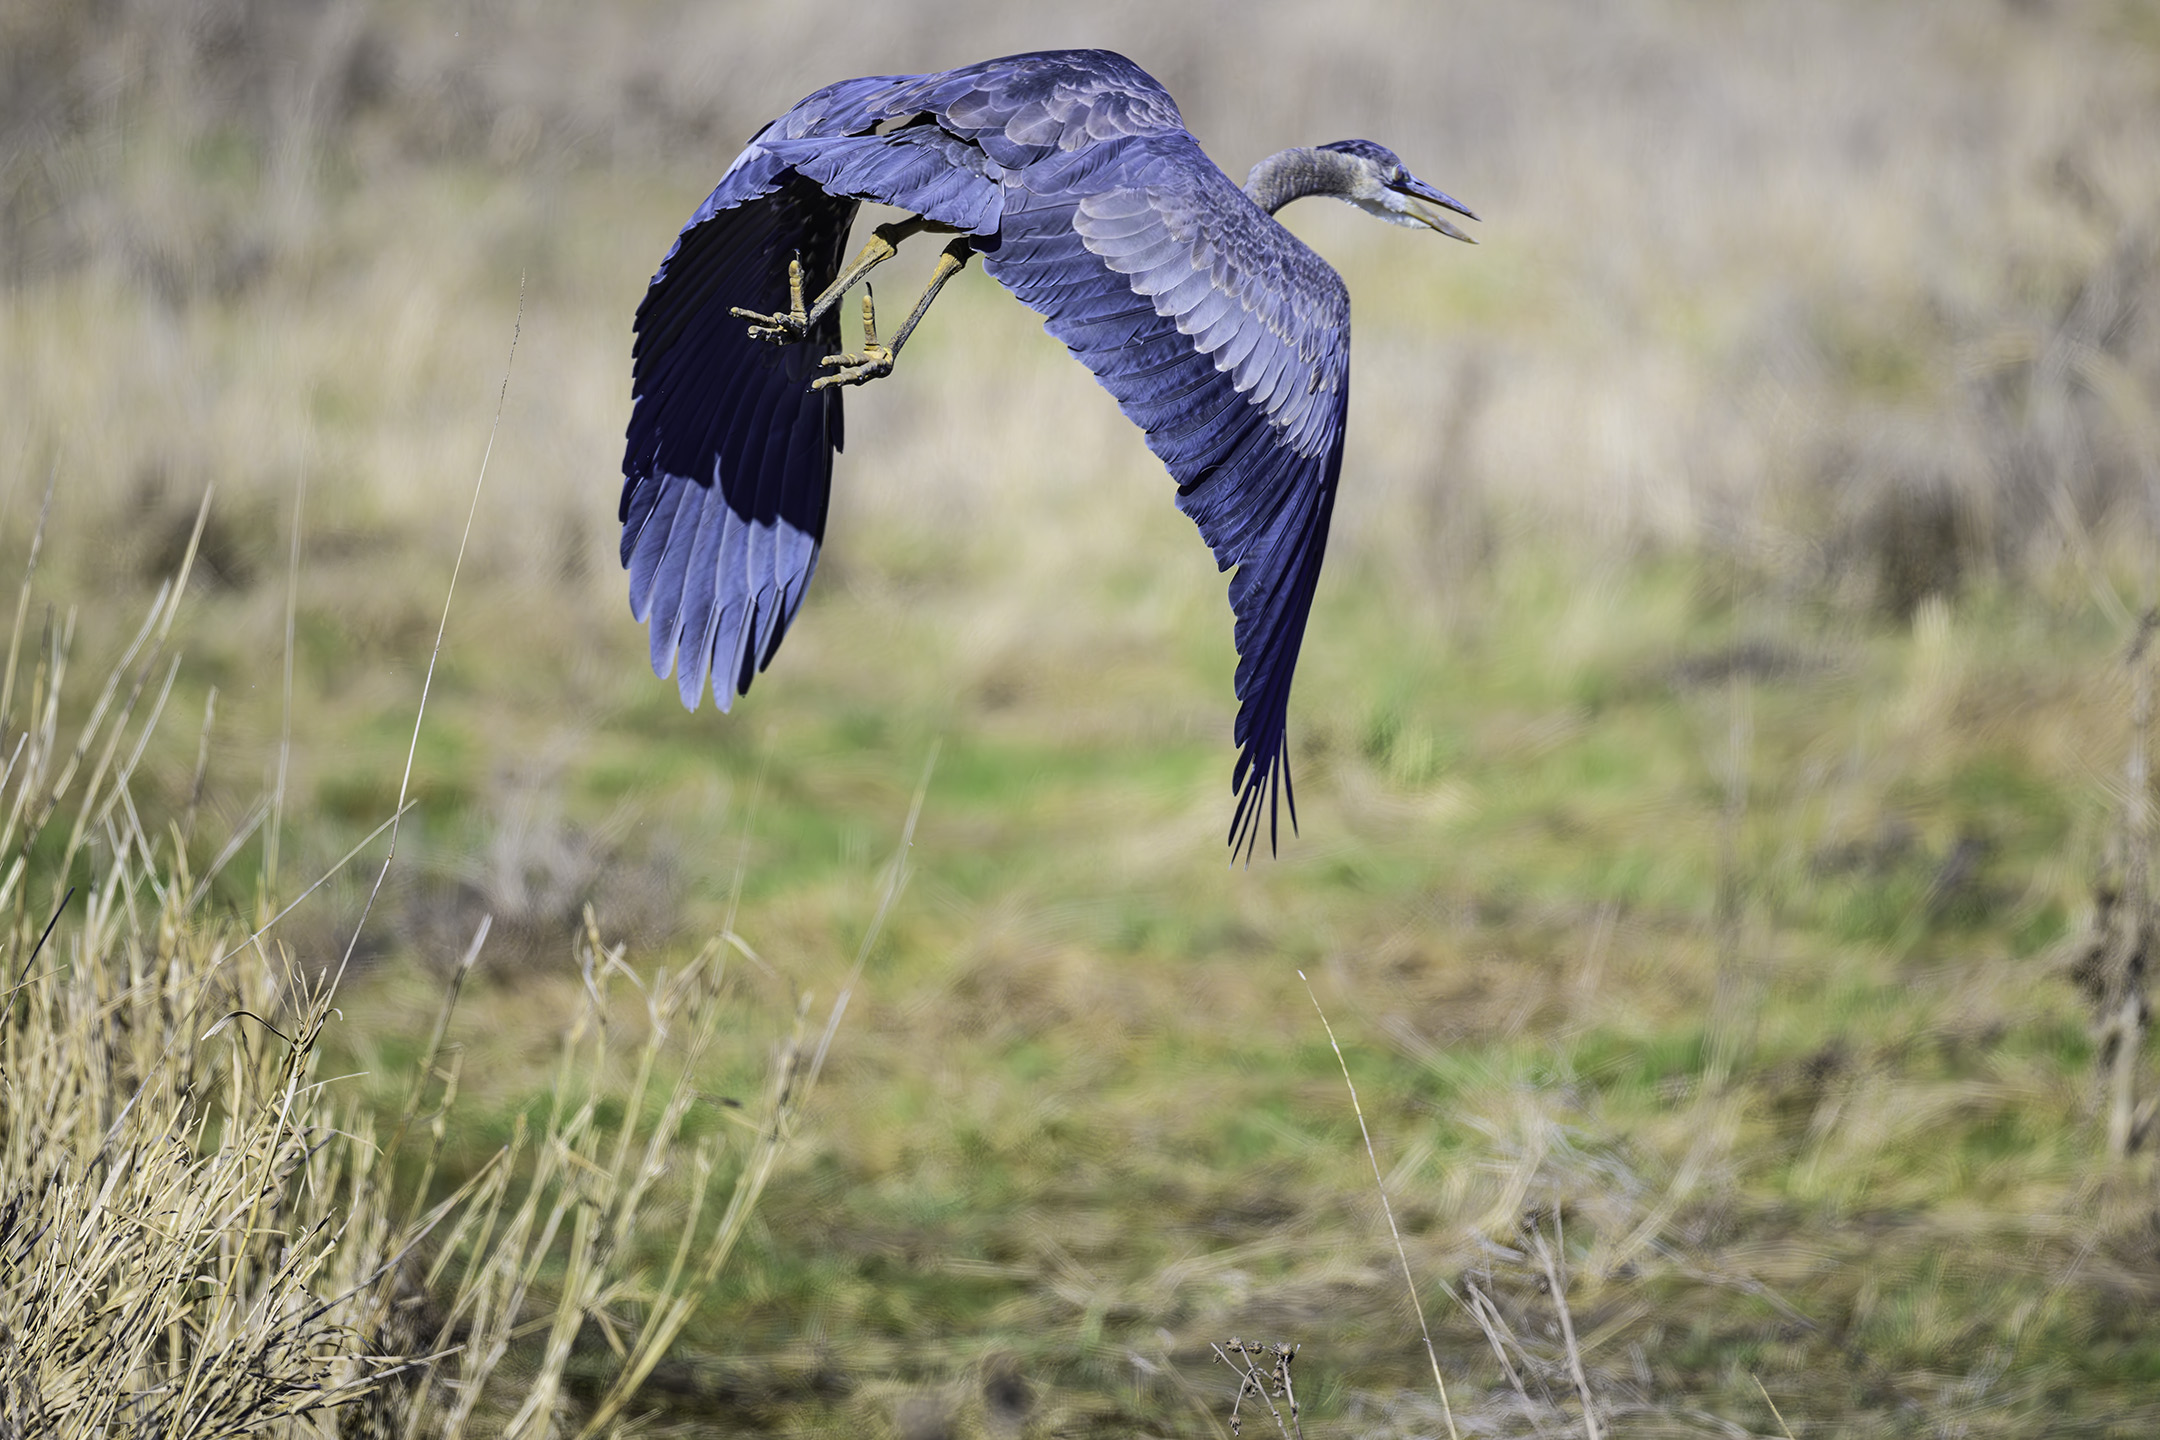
point(1072, 175)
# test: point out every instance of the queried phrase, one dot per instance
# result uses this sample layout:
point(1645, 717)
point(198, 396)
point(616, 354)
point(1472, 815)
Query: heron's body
point(1222, 337)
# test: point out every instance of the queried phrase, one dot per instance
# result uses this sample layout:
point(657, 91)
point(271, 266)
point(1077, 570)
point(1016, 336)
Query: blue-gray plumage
point(1222, 337)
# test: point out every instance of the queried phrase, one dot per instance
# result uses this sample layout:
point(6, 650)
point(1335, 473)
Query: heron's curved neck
point(1298, 172)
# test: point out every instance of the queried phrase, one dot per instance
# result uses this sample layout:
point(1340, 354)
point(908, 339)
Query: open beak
point(1429, 206)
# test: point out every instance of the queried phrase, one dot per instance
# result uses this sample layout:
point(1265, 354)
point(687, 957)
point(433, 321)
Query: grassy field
point(1713, 732)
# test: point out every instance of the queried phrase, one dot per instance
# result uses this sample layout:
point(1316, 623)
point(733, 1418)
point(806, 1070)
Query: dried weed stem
point(1401, 1255)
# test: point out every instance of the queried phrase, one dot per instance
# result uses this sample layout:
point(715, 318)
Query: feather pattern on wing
point(1226, 341)
point(727, 466)
point(1219, 334)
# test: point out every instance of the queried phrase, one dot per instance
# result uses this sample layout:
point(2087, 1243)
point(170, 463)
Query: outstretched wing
point(727, 465)
point(1221, 336)
point(1228, 342)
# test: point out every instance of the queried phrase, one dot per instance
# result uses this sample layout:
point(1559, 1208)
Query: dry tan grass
point(1844, 297)
point(201, 1233)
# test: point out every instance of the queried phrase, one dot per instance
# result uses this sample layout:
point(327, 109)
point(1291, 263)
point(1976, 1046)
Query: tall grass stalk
point(201, 1234)
point(1402, 1256)
point(442, 628)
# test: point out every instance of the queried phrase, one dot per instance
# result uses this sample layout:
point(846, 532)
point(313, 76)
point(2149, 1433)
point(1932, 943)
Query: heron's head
point(1381, 185)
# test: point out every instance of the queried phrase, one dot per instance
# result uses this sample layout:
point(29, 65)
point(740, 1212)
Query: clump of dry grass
point(1848, 295)
point(201, 1233)
point(185, 1222)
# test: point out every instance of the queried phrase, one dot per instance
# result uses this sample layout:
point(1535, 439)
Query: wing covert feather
point(1218, 333)
point(1227, 342)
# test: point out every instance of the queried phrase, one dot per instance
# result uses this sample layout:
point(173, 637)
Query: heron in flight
point(1072, 175)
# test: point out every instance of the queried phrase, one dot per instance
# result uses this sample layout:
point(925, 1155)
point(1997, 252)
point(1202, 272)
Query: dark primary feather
point(728, 462)
point(1221, 336)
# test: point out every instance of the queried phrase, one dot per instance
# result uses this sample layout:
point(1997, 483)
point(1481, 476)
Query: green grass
point(1082, 1108)
point(1083, 1101)
point(1671, 867)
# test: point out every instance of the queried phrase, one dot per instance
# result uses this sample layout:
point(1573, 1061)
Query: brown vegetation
point(1714, 730)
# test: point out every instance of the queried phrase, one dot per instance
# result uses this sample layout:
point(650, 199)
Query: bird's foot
point(782, 327)
point(857, 367)
point(860, 367)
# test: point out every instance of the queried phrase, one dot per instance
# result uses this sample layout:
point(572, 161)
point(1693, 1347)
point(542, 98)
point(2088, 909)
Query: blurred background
point(1714, 736)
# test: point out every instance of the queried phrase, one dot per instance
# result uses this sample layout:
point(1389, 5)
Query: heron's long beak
point(1429, 206)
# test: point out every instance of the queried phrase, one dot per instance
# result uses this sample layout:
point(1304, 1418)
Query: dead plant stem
point(1401, 1255)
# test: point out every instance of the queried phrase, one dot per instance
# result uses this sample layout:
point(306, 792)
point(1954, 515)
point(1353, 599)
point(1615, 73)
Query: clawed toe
point(774, 329)
point(859, 367)
point(856, 367)
point(782, 327)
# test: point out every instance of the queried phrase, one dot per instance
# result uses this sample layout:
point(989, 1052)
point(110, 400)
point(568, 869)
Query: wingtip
point(1261, 792)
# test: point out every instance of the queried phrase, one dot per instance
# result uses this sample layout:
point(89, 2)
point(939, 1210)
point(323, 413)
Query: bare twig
point(31, 958)
point(1267, 1384)
point(1401, 1255)
point(442, 627)
point(1775, 1413)
point(1487, 1315)
point(1558, 1284)
point(273, 834)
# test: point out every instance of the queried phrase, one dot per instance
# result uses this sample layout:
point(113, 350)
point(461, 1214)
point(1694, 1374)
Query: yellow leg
point(784, 327)
point(875, 360)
